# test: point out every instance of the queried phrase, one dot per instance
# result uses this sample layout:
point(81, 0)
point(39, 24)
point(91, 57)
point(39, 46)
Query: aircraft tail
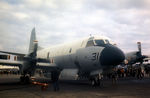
point(33, 46)
point(32, 41)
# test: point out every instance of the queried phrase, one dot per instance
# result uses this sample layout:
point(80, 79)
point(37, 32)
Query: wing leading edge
point(11, 63)
point(13, 53)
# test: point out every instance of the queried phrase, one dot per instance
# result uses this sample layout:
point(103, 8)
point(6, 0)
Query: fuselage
point(88, 54)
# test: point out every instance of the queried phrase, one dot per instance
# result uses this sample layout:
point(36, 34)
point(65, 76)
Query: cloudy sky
point(60, 21)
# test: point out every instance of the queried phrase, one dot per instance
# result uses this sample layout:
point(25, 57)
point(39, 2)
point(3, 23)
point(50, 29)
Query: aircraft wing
point(11, 63)
point(47, 66)
point(146, 59)
point(13, 53)
point(44, 66)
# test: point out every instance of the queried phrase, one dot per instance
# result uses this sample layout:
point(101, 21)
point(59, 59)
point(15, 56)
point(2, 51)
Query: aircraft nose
point(111, 55)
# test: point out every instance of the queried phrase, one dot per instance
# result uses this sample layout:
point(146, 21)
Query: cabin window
point(90, 43)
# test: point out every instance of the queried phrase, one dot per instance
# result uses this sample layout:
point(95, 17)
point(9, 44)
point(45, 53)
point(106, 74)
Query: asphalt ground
point(124, 88)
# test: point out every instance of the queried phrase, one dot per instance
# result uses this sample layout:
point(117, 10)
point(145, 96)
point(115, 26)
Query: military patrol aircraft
point(136, 56)
point(90, 56)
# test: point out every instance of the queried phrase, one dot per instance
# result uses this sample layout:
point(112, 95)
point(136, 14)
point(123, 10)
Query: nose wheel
point(96, 80)
point(93, 82)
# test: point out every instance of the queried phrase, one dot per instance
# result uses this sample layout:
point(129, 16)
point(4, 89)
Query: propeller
point(139, 48)
point(136, 56)
point(140, 57)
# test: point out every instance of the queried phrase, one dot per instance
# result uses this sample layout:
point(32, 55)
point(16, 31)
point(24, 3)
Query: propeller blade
point(139, 47)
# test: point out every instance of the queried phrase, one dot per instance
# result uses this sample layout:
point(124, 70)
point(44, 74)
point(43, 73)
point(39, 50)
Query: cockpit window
point(107, 41)
point(90, 43)
point(99, 42)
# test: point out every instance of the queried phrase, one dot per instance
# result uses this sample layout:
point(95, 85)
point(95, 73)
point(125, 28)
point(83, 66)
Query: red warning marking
point(8, 57)
point(44, 86)
point(35, 41)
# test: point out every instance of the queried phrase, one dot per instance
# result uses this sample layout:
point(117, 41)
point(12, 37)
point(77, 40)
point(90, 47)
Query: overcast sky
point(60, 21)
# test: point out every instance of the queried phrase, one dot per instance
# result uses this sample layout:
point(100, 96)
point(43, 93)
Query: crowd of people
point(136, 72)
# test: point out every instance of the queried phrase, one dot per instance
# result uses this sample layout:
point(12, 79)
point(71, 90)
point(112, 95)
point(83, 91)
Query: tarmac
point(124, 88)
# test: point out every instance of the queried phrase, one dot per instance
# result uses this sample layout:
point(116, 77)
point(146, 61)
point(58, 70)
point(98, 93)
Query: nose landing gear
point(96, 80)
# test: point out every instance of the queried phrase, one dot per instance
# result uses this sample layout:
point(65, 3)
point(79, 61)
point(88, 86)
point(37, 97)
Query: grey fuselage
point(87, 55)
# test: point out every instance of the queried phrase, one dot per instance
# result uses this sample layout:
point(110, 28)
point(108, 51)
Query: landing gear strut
point(96, 80)
point(25, 79)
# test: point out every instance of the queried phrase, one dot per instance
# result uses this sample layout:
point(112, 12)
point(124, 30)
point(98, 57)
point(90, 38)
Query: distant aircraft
point(136, 56)
point(91, 57)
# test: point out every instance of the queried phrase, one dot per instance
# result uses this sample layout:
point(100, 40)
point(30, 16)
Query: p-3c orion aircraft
point(136, 56)
point(91, 56)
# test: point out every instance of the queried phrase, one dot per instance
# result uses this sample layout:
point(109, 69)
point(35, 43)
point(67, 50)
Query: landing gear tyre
point(21, 79)
point(27, 79)
point(93, 83)
point(24, 79)
point(96, 83)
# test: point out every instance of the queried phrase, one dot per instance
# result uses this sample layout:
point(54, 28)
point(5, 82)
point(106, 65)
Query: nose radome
point(111, 55)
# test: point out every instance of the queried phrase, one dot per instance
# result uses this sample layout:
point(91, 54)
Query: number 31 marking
point(95, 56)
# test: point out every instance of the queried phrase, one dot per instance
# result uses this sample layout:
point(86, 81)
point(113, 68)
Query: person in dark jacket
point(55, 77)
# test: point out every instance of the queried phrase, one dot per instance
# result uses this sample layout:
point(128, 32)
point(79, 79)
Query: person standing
point(55, 77)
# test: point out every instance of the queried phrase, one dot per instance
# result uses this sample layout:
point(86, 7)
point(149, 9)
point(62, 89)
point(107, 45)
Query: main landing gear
point(25, 79)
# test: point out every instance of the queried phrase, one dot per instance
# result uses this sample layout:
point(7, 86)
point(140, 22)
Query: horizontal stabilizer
point(13, 53)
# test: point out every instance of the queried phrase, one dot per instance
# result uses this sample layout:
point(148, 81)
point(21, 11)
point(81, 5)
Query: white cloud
point(33, 3)
point(5, 6)
point(20, 15)
point(58, 21)
point(1, 47)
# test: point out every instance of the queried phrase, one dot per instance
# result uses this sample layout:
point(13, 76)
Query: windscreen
point(99, 42)
point(107, 41)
